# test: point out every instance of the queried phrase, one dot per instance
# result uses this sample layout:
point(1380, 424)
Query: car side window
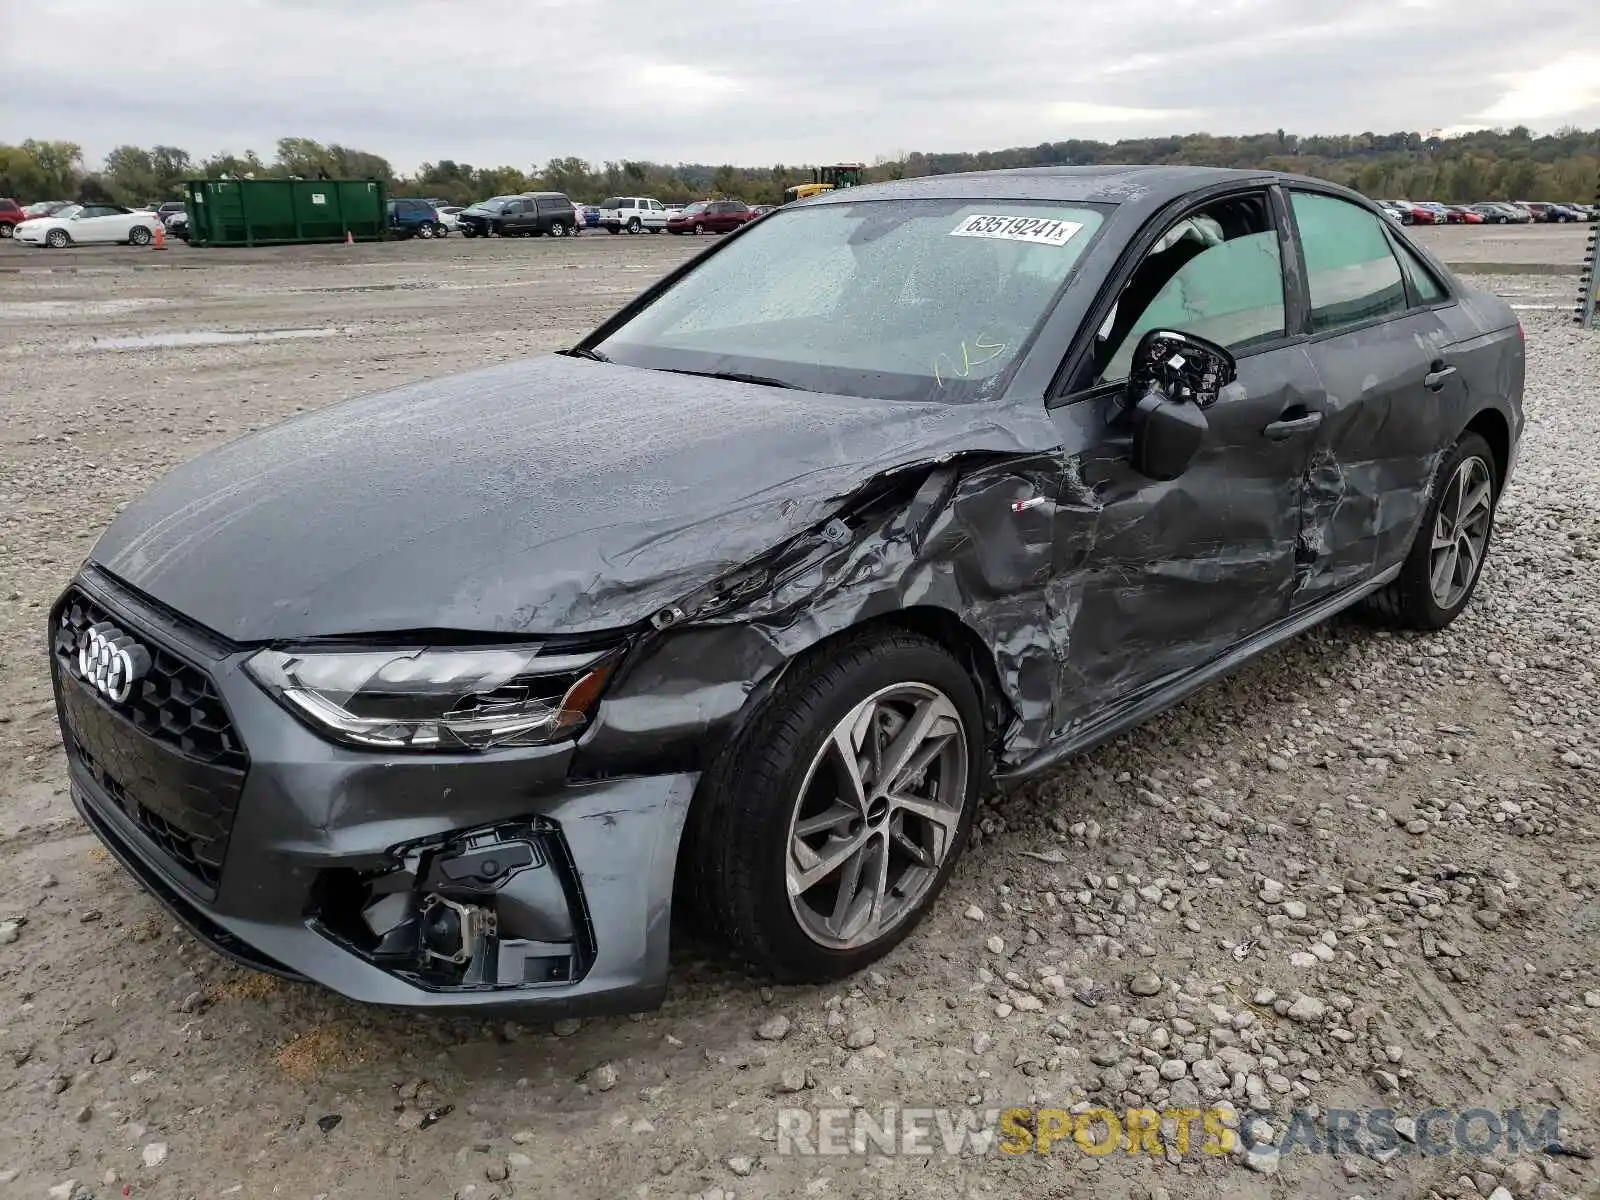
point(1217, 273)
point(1351, 273)
point(1424, 286)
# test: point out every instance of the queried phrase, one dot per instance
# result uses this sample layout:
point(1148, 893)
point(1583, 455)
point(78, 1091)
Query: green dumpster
point(276, 212)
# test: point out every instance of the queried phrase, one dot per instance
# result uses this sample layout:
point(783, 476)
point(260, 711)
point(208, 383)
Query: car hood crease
point(553, 495)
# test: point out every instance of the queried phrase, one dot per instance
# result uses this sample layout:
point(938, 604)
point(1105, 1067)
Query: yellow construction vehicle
point(825, 179)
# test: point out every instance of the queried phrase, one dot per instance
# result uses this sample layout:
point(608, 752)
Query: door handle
point(1434, 379)
point(1287, 427)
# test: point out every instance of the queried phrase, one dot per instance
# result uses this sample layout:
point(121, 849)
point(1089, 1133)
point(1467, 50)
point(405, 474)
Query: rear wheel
point(425, 230)
point(825, 831)
point(1442, 570)
point(139, 236)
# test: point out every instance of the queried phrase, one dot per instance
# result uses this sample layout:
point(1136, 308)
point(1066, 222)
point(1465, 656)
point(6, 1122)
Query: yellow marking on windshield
point(964, 371)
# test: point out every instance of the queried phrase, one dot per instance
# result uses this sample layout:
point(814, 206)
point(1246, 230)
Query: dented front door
point(1153, 579)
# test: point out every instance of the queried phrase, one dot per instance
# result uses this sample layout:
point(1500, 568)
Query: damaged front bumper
point(439, 881)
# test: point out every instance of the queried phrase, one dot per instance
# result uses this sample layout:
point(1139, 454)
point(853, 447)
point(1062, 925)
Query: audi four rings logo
point(111, 661)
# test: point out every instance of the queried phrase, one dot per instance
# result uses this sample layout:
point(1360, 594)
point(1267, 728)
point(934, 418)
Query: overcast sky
point(517, 82)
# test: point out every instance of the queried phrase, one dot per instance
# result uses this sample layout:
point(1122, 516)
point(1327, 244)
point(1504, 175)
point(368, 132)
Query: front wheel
point(698, 229)
point(1446, 559)
point(824, 832)
point(57, 239)
point(6, 231)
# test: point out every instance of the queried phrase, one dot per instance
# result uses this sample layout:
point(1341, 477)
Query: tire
point(57, 239)
point(698, 229)
point(634, 226)
point(424, 231)
point(441, 230)
point(1412, 601)
point(139, 236)
point(557, 229)
point(783, 768)
point(6, 231)
point(613, 229)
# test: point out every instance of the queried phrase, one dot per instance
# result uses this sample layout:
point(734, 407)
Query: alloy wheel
point(1461, 532)
point(877, 815)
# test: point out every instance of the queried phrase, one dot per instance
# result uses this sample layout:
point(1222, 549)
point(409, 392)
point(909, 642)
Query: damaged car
point(450, 696)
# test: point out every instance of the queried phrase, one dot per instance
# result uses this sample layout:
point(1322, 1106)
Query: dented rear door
point(1394, 395)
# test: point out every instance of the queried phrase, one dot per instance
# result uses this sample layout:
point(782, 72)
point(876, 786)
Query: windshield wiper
point(735, 377)
point(591, 355)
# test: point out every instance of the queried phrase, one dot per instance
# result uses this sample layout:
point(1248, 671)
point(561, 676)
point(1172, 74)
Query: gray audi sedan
point(455, 695)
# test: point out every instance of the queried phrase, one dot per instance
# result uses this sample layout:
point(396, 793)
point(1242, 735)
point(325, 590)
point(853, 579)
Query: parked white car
point(636, 214)
point(85, 224)
point(447, 217)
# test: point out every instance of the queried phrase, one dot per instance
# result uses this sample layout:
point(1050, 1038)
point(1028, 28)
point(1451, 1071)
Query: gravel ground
point(1360, 872)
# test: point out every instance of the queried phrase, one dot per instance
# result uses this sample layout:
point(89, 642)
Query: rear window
point(611, 202)
point(1351, 273)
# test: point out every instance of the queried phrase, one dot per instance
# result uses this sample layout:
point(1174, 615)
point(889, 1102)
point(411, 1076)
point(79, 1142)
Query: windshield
point(696, 207)
point(899, 299)
point(496, 204)
point(68, 212)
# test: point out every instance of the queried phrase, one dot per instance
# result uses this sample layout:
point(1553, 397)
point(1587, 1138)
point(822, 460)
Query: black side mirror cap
point(1174, 378)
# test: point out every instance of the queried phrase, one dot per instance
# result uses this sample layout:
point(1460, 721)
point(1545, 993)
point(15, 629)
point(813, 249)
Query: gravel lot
point(1363, 871)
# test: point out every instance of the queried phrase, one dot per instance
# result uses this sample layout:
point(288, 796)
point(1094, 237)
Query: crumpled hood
point(553, 495)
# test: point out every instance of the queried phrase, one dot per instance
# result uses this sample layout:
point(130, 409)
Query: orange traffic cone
point(349, 238)
point(161, 236)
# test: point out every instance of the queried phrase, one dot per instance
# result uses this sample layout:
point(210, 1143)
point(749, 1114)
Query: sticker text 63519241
point(1046, 231)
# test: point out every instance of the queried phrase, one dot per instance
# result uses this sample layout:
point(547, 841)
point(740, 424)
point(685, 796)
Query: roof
point(1148, 185)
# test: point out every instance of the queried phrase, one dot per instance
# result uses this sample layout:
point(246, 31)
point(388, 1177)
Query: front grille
point(174, 703)
point(200, 856)
point(168, 757)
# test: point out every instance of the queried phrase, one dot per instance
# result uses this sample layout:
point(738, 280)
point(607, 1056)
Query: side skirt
point(1142, 707)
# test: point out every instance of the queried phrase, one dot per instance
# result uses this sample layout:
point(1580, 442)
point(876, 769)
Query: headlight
point(439, 698)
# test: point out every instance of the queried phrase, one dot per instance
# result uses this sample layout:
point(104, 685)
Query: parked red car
point(1460, 214)
point(710, 216)
point(1416, 214)
point(10, 217)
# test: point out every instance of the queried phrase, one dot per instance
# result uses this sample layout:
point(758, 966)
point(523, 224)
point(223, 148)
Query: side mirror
point(1174, 378)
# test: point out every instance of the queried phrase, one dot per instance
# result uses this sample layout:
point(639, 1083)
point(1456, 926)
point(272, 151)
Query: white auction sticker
point(1045, 231)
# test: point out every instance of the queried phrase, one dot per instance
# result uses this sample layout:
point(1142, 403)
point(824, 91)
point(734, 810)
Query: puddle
point(205, 337)
point(415, 286)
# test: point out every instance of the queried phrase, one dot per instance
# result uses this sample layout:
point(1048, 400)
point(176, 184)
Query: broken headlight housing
point(441, 699)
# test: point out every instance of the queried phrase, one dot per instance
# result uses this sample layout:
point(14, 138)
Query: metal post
point(1589, 280)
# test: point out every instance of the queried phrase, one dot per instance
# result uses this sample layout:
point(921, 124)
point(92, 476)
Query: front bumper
point(358, 870)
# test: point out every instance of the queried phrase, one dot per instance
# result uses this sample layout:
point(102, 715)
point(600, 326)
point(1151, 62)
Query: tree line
point(1504, 164)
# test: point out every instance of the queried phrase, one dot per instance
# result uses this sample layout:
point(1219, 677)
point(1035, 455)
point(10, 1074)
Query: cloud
point(779, 81)
point(1556, 89)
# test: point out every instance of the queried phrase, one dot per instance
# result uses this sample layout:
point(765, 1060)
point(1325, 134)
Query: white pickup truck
point(635, 214)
